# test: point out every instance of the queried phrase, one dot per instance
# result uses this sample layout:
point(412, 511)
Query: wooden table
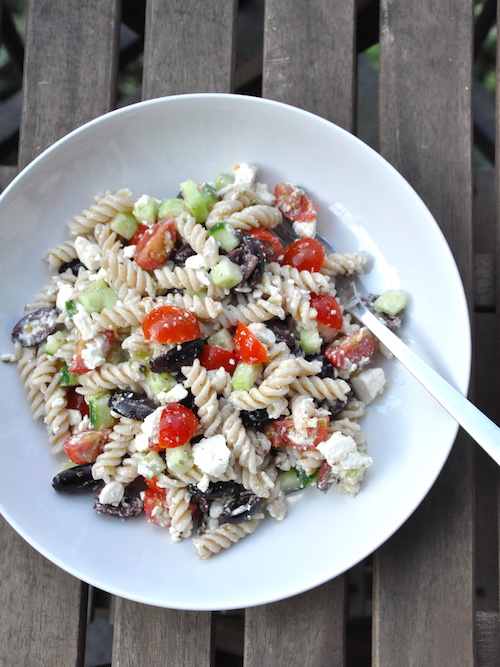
point(426, 609)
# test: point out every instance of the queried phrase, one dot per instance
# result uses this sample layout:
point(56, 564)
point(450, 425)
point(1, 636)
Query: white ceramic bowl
point(364, 204)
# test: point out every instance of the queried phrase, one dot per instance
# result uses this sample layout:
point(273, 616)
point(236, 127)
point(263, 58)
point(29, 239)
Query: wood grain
point(304, 631)
point(309, 56)
point(189, 47)
point(423, 588)
point(42, 609)
point(70, 69)
point(153, 636)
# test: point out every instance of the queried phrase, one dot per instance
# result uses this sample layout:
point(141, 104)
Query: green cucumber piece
point(146, 210)
point(209, 195)
point(226, 274)
point(159, 382)
point(99, 412)
point(391, 302)
point(310, 341)
point(295, 479)
point(54, 342)
point(221, 338)
point(68, 379)
point(124, 224)
point(150, 465)
point(245, 375)
point(97, 296)
point(173, 207)
point(179, 459)
point(194, 199)
point(225, 236)
point(223, 180)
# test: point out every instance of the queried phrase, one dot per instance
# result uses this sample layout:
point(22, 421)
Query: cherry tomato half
point(170, 324)
point(141, 229)
point(77, 365)
point(248, 347)
point(294, 203)
point(85, 446)
point(305, 255)
point(156, 244)
point(328, 309)
point(349, 352)
point(213, 357)
point(282, 432)
point(271, 245)
point(153, 485)
point(156, 508)
point(177, 426)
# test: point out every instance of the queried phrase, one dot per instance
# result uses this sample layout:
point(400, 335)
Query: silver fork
point(485, 432)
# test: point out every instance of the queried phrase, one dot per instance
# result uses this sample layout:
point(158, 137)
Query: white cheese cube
point(368, 384)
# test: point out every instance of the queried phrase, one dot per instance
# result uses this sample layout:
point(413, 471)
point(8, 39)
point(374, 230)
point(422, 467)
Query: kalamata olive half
point(181, 254)
point(181, 355)
point(76, 480)
point(283, 330)
point(242, 507)
point(215, 490)
point(34, 327)
point(130, 505)
point(74, 266)
point(249, 257)
point(131, 405)
point(258, 417)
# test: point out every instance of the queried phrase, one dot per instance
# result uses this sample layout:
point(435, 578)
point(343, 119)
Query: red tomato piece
point(350, 352)
point(156, 244)
point(328, 309)
point(282, 432)
point(177, 426)
point(141, 229)
point(305, 255)
point(271, 245)
point(75, 401)
point(85, 446)
point(156, 508)
point(77, 365)
point(213, 357)
point(170, 324)
point(153, 485)
point(294, 203)
point(248, 347)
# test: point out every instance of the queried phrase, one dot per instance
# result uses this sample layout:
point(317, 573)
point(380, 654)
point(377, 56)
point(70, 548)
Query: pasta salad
point(191, 367)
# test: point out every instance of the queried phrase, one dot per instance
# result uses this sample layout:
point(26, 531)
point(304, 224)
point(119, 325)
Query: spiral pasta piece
point(344, 263)
point(198, 238)
point(252, 311)
point(59, 254)
point(205, 397)
point(276, 274)
point(122, 271)
point(178, 502)
point(56, 414)
point(222, 210)
point(224, 536)
point(259, 215)
point(111, 376)
point(328, 389)
point(275, 386)
point(105, 207)
point(115, 449)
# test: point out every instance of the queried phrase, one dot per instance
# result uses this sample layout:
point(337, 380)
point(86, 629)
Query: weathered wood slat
point(63, 87)
point(306, 630)
point(70, 69)
point(191, 47)
point(154, 636)
point(423, 591)
point(308, 56)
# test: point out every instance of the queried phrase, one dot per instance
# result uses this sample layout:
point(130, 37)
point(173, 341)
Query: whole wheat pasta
point(211, 382)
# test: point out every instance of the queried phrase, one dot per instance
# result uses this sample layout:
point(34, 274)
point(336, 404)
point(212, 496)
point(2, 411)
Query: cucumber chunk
point(195, 201)
point(225, 236)
point(221, 338)
point(97, 296)
point(209, 195)
point(68, 379)
point(173, 207)
point(295, 479)
point(146, 210)
point(223, 180)
point(310, 340)
point(54, 342)
point(150, 465)
point(124, 224)
point(391, 302)
point(99, 412)
point(245, 375)
point(226, 274)
point(179, 459)
point(159, 382)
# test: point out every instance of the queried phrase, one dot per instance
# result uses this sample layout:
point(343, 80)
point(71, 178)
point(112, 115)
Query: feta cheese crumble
point(211, 455)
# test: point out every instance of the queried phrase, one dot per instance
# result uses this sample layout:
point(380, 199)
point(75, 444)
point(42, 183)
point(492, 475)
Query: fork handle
point(485, 432)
